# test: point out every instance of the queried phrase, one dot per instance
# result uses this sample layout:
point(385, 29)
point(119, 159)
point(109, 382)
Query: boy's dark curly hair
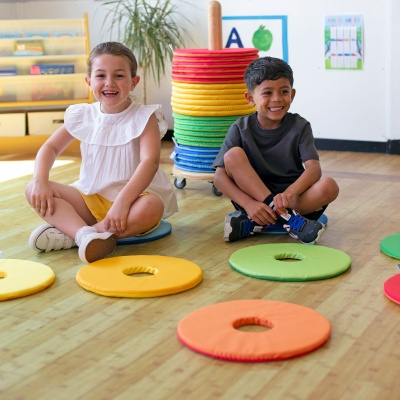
point(267, 68)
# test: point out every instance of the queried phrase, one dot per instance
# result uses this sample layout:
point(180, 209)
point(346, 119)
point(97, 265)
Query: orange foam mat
point(19, 278)
point(139, 276)
point(294, 330)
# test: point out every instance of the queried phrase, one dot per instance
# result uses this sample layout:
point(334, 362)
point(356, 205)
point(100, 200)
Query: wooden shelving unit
point(32, 104)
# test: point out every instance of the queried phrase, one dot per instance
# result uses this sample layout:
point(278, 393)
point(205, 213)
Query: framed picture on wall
point(344, 42)
point(266, 33)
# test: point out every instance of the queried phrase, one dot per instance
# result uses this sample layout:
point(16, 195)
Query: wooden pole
point(214, 26)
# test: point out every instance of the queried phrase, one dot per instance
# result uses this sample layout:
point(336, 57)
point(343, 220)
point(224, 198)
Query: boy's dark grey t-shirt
point(277, 155)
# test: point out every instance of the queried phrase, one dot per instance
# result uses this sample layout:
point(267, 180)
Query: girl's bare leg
point(145, 213)
point(70, 211)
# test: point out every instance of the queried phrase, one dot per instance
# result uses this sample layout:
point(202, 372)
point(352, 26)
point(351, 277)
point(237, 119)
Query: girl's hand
point(115, 220)
point(42, 198)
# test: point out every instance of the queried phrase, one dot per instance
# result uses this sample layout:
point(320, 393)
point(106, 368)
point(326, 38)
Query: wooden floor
point(68, 343)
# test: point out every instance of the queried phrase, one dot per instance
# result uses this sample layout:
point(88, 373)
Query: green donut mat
point(200, 128)
point(314, 262)
point(205, 134)
point(198, 144)
point(390, 245)
point(200, 119)
point(198, 138)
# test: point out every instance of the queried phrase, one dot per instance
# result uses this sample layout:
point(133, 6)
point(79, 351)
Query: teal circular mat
point(390, 245)
point(161, 231)
point(313, 262)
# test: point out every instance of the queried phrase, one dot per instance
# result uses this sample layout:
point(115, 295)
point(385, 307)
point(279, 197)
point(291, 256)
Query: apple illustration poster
point(344, 42)
point(266, 33)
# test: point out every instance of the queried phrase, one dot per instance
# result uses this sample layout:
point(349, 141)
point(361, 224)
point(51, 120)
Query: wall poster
point(266, 33)
point(344, 42)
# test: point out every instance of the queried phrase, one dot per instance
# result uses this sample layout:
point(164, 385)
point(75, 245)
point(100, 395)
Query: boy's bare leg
point(318, 195)
point(239, 169)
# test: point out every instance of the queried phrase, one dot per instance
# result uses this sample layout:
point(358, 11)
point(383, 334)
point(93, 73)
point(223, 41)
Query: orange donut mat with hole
point(294, 330)
point(19, 278)
point(290, 262)
point(139, 276)
point(391, 288)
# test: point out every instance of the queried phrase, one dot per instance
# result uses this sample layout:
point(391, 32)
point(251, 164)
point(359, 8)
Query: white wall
point(353, 105)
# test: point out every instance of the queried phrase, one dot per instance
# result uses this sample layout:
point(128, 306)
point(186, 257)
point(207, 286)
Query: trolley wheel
point(216, 191)
point(180, 183)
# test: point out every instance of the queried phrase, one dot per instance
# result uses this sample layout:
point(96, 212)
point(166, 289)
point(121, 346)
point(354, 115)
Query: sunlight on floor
point(15, 169)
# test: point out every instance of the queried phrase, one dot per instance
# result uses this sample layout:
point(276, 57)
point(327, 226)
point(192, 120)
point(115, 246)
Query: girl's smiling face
point(111, 82)
point(272, 99)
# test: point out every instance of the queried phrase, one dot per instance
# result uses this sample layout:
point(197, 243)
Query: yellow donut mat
point(19, 278)
point(139, 276)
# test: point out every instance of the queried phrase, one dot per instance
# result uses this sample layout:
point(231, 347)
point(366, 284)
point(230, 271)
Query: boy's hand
point(260, 213)
point(282, 201)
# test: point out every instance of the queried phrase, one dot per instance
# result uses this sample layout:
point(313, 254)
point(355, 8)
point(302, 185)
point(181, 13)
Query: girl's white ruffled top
point(110, 150)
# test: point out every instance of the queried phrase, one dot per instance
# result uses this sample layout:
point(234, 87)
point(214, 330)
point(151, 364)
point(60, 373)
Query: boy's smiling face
point(272, 100)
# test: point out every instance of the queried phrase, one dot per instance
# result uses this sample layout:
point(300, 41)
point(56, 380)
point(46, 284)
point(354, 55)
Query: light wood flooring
point(67, 343)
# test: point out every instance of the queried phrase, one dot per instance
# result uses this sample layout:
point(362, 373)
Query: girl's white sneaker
point(96, 246)
point(47, 238)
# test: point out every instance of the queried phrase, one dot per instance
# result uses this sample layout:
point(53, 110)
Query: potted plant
point(151, 29)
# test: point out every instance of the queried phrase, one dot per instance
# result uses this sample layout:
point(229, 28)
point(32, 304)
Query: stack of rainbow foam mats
point(207, 97)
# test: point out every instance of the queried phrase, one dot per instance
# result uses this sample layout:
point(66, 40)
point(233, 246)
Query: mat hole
point(289, 257)
point(252, 324)
point(140, 271)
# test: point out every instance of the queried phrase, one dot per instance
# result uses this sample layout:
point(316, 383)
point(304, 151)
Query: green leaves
point(149, 30)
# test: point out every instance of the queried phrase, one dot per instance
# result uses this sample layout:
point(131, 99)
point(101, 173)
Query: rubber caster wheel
point(216, 191)
point(180, 183)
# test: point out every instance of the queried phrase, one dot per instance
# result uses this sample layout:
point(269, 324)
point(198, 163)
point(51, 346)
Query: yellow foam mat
point(139, 276)
point(19, 278)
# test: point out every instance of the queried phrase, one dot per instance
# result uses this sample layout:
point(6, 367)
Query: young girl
point(121, 190)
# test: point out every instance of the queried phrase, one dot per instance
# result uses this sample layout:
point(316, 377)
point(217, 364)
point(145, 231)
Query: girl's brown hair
point(115, 49)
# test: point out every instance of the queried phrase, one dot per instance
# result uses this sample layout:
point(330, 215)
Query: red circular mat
point(391, 288)
point(216, 53)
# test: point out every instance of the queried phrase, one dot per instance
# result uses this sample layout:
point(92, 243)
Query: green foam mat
point(390, 245)
point(312, 262)
point(205, 119)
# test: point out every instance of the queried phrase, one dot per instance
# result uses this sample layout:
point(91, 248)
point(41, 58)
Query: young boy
point(268, 164)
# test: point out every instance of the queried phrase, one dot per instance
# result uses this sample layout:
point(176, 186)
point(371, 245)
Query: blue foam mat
point(162, 230)
point(193, 169)
point(196, 150)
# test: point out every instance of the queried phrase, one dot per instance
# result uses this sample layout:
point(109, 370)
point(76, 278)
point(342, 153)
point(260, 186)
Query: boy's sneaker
point(306, 230)
point(96, 246)
point(46, 238)
point(238, 225)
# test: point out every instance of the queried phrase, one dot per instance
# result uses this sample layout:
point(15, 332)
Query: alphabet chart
point(344, 42)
